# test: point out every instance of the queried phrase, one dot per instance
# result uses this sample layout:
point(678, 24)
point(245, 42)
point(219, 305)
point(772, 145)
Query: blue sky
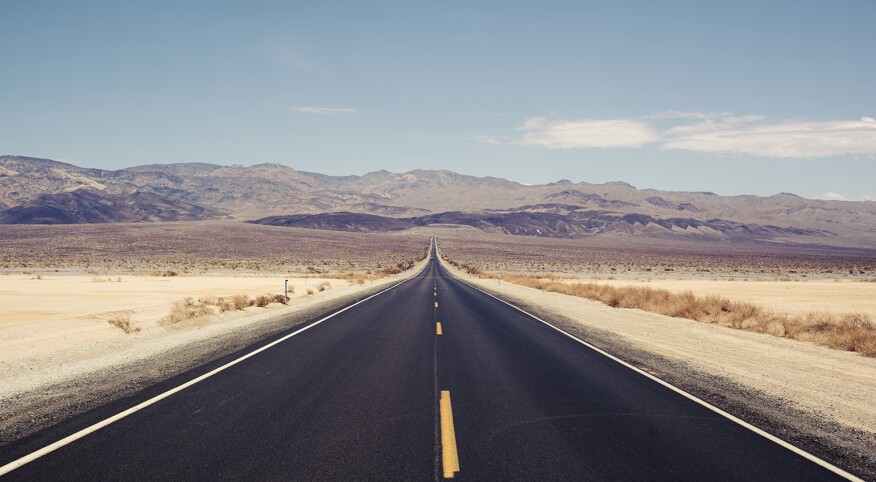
point(731, 97)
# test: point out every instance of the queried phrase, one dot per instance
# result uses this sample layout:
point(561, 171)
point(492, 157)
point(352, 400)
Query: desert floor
point(40, 316)
point(792, 297)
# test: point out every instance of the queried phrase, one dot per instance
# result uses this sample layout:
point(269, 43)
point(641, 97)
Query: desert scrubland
point(91, 313)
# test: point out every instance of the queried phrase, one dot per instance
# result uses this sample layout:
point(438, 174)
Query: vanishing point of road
point(426, 380)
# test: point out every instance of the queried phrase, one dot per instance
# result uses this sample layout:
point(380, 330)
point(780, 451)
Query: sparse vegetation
point(124, 323)
point(282, 299)
point(186, 310)
point(190, 308)
point(851, 332)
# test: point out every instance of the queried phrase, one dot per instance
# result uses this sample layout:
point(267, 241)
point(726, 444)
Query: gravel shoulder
point(40, 391)
point(819, 399)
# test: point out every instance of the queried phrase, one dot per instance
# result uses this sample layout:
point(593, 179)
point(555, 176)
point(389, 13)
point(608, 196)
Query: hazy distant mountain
point(538, 223)
point(85, 206)
point(200, 191)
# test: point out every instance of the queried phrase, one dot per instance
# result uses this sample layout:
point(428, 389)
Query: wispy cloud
point(831, 196)
point(309, 109)
point(724, 133)
point(755, 136)
point(486, 139)
point(586, 133)
point(835, 196)
point(289, 53)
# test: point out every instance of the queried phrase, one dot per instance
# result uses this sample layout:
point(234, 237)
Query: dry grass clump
point(186, 310)
point(190, 308)
point(851, 332)
point(124, 323)
point(164, 274)
point(262, 300)
point(282, 299)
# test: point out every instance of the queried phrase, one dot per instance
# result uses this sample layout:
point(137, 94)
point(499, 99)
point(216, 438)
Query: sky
point(741, 97)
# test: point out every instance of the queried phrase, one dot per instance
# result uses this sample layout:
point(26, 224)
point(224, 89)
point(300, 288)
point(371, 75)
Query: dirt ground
point(792, 297)
point(56, 312)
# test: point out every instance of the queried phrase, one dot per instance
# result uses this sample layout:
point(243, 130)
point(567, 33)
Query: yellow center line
point(439, 327)
point(436, 304)
point(448, 437)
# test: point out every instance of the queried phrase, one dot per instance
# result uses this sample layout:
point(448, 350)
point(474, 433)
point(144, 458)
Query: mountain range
point(42, 191)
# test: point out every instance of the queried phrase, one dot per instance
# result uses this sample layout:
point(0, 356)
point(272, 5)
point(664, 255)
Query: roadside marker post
point(286, 289)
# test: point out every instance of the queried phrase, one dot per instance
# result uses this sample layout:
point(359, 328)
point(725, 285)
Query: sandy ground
point(42, 316)
point(823, 398)
point(793, 297)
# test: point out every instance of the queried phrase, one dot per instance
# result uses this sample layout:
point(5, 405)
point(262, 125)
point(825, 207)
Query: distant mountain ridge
point(41, 190)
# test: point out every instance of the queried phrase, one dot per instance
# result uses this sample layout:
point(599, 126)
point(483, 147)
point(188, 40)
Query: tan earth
point(40, 316)
point(793, 297)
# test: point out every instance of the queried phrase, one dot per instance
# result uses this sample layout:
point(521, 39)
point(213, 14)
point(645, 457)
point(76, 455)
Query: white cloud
point(307, 109)
point(585, 133)
point(486, 139)
point(835, 196)
point(754, 136)
point(831, 196)
point(706, 132)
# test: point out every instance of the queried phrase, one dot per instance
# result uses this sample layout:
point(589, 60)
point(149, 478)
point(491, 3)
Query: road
point(376, 393)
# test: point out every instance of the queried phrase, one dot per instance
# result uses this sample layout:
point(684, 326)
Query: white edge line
point(99, 425)
point(767, 435)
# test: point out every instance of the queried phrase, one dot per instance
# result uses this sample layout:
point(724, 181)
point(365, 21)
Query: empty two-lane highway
point(428, 379)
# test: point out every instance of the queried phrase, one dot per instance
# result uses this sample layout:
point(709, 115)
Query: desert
point(412, 241)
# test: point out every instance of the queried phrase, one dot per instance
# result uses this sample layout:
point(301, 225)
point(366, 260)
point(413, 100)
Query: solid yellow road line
point(439, 327)
point(448, 437)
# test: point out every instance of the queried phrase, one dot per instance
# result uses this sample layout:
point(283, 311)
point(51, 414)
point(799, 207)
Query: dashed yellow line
point(448, 437)
point(438, 328)
point(436, 304)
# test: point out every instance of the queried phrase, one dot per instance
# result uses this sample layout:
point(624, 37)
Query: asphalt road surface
point(376, 393)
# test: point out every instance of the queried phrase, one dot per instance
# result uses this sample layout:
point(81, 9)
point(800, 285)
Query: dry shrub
point(164, 274)
point(325, 285)
point(852, 332)
point(262, 300)
point(186, 310)
point(241, 302)
point(124, 323)
point(310, 291)
point(281, 299)
point(224, 304)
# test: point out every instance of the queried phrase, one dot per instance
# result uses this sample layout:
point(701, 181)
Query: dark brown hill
point(84, 206)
